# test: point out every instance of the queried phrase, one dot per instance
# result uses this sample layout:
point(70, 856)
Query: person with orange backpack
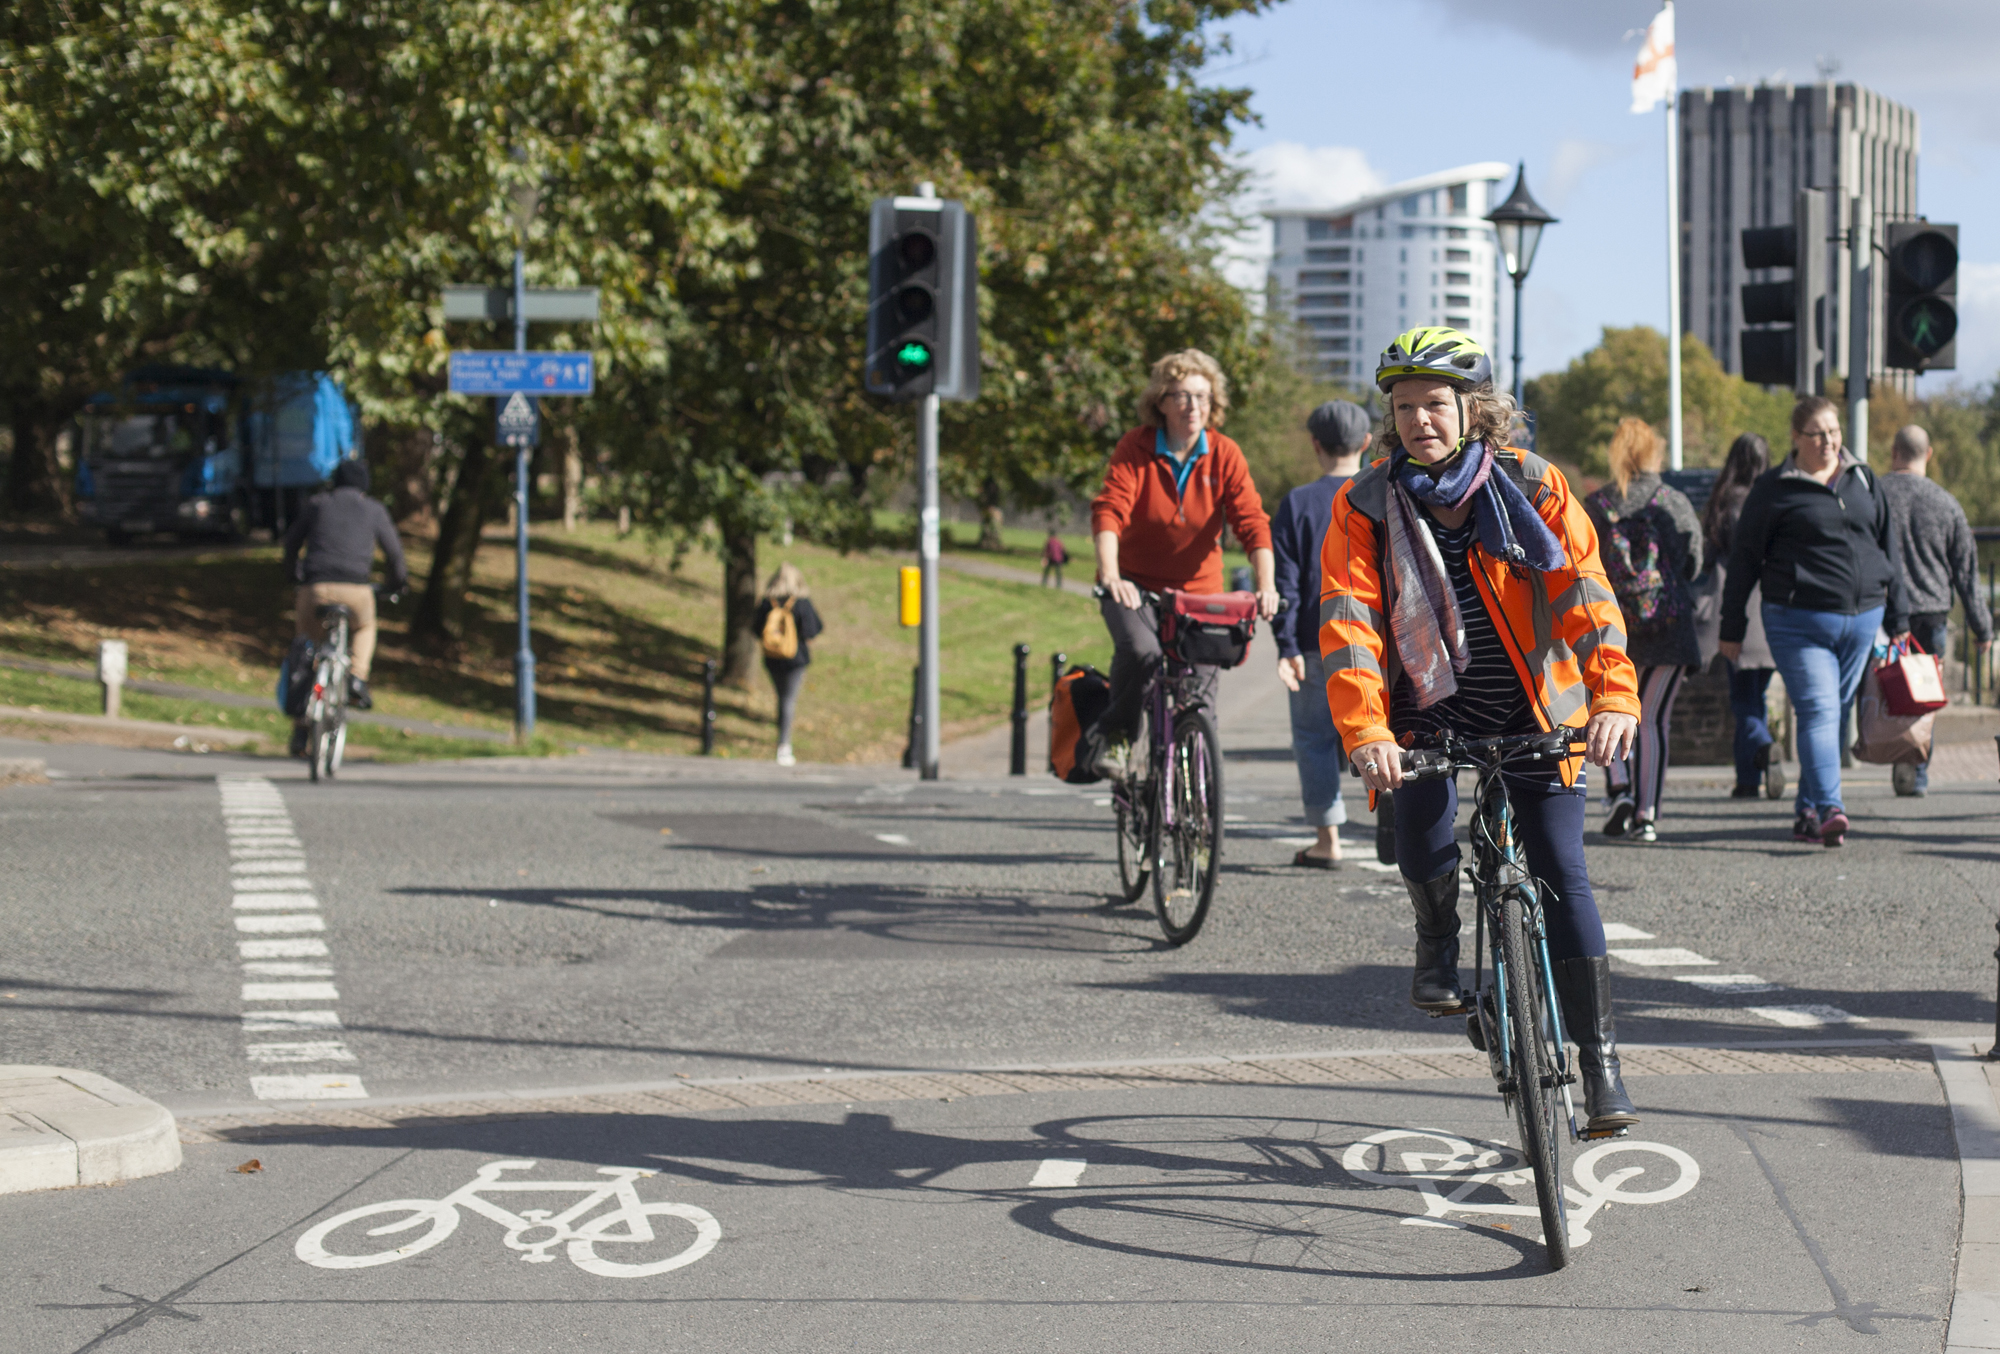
point(785, 622)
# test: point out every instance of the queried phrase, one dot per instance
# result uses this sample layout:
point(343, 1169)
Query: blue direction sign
point(526, 373)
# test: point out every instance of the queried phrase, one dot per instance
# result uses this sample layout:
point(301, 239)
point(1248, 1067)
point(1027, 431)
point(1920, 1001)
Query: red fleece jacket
point(1167, 539)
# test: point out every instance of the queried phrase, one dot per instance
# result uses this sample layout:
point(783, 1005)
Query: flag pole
point(1673, 273)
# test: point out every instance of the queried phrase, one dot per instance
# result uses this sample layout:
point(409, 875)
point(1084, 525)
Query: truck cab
point(164, 452)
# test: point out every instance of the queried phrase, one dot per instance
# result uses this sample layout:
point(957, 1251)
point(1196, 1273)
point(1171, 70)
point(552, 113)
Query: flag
point(1654, 74)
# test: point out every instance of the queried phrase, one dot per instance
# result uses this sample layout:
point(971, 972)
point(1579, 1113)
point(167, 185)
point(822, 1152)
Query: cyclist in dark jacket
point(330, 554)
point(1815, 535)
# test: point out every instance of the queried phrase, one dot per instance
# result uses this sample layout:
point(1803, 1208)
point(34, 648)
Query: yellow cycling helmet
point(1442, 354)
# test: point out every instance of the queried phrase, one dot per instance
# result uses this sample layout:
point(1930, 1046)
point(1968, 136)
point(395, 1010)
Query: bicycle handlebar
point(1476, 754)
point(1100, 592)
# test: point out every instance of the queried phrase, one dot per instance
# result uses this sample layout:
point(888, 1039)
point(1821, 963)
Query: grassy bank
point(620, 636)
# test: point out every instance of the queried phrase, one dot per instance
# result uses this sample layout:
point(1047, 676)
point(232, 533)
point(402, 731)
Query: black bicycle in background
point(325, 715)
point(1516, 1020)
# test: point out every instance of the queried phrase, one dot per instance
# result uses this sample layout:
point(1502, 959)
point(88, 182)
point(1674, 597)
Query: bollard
point(1017, 762)
point(111, 661)
point(916, 719)
point(1056, 662)
point(708, 707)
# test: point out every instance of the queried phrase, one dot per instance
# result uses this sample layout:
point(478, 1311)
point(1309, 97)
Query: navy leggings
point(1549, 818)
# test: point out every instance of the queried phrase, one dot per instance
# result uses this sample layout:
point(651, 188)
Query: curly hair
point(1490, 419)
point(1177, 367)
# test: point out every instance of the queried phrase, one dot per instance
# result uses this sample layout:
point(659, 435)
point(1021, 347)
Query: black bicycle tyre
point(1535, 1094)
point(1192, 852)
point(1136, 848)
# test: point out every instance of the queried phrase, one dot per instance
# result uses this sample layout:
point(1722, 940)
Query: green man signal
point(1922, 296)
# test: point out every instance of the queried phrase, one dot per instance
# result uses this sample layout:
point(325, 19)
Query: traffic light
point(923, 299)
point(1786, 347)
point(1922, 296)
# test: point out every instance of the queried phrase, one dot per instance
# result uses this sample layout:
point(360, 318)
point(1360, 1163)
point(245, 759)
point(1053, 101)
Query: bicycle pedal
point(1454, 1011)
point(1590, 1135)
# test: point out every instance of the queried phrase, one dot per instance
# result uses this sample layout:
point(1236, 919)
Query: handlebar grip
point(1419, 765)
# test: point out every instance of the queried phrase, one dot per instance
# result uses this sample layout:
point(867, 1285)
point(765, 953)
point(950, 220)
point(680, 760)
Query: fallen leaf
point(1504, 1226)
point(666, 832)
point(250, 1167)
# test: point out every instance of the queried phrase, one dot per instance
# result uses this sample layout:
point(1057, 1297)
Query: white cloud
point(1291, 174)
point(1573, 162)
point(1978, 322)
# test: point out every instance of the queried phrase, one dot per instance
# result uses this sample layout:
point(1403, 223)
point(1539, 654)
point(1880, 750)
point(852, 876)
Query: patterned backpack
point(1641, 568)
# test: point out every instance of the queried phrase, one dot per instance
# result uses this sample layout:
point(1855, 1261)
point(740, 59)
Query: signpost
point(518, 380)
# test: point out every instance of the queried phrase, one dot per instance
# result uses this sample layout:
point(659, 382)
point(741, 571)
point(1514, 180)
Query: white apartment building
point(1420, 252)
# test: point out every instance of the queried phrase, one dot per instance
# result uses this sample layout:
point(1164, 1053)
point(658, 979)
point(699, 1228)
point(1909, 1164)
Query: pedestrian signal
point(1784, 321)
point(923, 300)
point(1922, 296)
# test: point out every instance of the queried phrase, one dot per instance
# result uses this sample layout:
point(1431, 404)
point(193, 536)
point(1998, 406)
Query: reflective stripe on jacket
point(1562, 629)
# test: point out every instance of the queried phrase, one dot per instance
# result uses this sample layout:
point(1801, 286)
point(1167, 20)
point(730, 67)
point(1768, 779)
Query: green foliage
point(1270, 424)
point(1625, 375)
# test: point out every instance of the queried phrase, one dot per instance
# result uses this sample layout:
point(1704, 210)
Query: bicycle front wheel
point(1536, 1096)
point(1190, 845)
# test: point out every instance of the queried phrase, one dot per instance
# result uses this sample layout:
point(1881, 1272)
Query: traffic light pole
point(927, 633)
point(524, 653)
point(1861, 326)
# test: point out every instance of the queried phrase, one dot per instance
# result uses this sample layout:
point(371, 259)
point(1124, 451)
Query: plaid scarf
point(1424, 618)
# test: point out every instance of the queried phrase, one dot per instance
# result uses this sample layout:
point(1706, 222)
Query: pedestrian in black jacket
point(786, 593)
point(330, 554)
point(1815, 535)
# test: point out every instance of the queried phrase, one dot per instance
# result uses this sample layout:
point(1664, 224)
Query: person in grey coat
point(1939, 558)
point(1650, 542)
point(1750, 675)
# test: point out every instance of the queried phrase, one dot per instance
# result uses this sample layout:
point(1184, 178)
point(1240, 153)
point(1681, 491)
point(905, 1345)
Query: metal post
point(927, 635)
point(1057, 661)
point(1517, 339)
point(1993, 1053)
point(1017, 764)
point(524, 653)
point(1861, 331)
point(708, 707)
point(916, 718)
point(1673, 281)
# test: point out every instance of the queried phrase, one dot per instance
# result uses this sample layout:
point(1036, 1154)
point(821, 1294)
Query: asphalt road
point(603, 921)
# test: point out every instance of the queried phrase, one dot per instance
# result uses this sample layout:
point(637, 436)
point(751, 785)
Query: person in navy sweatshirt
point(1339, 432)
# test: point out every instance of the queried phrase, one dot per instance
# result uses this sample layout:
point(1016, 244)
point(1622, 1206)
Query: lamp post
point(1518, 222)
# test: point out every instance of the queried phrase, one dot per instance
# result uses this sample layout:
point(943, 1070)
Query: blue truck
point(199, 452)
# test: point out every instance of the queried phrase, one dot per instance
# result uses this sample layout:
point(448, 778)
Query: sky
point(1356, 94)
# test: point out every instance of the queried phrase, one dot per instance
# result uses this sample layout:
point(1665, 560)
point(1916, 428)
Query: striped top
point(1490, 701)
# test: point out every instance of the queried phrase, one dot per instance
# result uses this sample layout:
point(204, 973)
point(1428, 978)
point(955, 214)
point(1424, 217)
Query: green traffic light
point(913, 357)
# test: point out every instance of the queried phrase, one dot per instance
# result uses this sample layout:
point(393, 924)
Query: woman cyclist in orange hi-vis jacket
point(1461, 590)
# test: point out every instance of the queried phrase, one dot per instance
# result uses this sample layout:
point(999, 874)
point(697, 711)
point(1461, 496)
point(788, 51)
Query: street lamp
point(1518, 222)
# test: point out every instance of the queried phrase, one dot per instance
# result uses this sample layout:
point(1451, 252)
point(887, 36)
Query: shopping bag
point(1888, 738)
point(1912, 680)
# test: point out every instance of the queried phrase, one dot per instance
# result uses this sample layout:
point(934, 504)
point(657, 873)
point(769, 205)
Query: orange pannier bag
point(1080, 696)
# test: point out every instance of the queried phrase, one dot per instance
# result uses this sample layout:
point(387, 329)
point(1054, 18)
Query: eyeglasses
point(1183, 397)
point(1820, 435)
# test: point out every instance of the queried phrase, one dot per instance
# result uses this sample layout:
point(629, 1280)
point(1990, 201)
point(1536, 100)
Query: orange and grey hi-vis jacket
point(1563, 629)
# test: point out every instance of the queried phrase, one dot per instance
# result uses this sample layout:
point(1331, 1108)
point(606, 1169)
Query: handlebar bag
point(1080, 696)
point(1209, 628)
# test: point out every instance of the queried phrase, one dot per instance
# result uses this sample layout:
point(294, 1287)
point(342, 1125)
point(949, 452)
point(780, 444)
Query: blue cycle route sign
point(503, 373)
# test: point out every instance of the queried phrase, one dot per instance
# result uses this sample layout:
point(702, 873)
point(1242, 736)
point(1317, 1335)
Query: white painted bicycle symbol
point(533, 1231)
point(1449, 1169)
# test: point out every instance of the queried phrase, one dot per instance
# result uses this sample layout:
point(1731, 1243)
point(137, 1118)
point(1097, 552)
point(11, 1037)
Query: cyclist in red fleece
point(1157, 524)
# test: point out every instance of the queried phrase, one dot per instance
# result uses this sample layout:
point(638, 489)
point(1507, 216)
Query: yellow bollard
point(910, 595)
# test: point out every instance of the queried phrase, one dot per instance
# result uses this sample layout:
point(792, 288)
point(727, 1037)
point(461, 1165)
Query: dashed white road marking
point(1732, 984)
point(1665, 957)
point(893, 838)
point(1618, 930)
point(1806, 1017)
point(1057, 1173)
point(268, 875)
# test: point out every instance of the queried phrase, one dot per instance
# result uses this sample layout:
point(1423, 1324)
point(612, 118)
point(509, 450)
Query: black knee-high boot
point(1584, 987)
point(1435, 986)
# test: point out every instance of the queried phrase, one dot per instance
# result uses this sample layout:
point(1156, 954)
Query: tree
point(1625, 375)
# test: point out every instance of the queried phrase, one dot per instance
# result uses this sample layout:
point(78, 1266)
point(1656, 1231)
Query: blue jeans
point(1820, 654)
point(1747, 687)
point(1316, 748)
